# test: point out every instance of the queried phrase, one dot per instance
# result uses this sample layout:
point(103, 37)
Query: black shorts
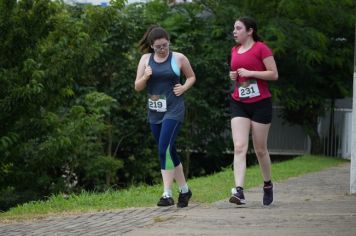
point(260, 112)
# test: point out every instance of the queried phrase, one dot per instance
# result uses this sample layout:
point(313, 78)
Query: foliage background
point(71, 121)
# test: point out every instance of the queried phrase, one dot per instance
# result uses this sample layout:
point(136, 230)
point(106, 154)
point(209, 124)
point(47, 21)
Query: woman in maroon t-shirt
point(252, 66)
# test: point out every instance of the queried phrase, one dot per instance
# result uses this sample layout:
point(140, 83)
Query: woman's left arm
point(271, 72)
point(188, 73)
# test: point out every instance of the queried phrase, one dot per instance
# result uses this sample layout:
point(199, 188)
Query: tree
point(312, 43)
point(70, 119)
point(313, 59)
point(51, 128)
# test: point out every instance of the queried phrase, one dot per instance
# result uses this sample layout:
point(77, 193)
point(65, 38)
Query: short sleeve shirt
point(252, 59)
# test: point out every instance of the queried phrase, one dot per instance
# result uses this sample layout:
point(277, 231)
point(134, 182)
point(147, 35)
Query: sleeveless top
point(162, 102)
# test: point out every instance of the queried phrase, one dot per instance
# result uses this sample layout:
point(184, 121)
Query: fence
point(334, 129)
point(285, 139)
point(335, 132)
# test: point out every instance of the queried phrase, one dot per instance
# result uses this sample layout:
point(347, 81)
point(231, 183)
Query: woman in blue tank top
point(159, 72)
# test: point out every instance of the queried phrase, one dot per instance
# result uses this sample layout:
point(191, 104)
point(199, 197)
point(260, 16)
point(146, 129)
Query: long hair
point(250, 23)
point(153, 33)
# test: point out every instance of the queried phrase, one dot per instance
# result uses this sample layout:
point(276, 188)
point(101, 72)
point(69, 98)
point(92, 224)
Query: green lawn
point(205, 190)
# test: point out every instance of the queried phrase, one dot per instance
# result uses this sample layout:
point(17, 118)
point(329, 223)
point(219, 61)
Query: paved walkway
point(314, 204)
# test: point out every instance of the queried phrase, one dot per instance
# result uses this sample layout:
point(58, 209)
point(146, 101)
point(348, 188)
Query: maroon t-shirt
point(249, 89)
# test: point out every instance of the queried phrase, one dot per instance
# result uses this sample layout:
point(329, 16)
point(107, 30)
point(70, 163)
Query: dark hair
point(250, 23)
point(153, 33)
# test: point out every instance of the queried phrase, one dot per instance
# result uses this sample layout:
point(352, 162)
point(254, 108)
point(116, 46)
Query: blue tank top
point(162, 102)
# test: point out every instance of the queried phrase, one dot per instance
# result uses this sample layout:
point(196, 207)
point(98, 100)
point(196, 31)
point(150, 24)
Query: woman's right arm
point(144, 72)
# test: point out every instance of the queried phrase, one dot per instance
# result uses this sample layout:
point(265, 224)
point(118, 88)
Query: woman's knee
point(240, 148)
point(261, 152)
point(162, 152)
point(169, 154)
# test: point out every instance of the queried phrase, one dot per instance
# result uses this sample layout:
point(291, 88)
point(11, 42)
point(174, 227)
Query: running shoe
point(183, 199)
point(267, 195)
point(165, 201)
point(237, 196)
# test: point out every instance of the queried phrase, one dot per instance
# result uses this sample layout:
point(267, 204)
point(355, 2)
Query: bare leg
point(240, 127)
point(259, 137)
point(167, 176)
point(179, 175)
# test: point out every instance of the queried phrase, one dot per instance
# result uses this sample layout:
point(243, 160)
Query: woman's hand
point(242, 72)
point(179, 89)
point(233, 75)
point(148, 72)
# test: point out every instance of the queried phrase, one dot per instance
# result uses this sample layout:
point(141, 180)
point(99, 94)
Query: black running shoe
point(183, 199)
point(237, 197)
point(267, 195)
point(165, 201)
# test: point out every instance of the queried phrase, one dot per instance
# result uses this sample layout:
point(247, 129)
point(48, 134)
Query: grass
point(206, 190)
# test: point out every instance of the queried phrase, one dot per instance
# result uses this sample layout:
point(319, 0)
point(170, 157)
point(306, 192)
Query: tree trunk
point(109, 150)
point(107, 179)
point(316, 147)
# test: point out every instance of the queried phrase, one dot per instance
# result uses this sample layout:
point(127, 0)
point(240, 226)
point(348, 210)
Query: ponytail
point(144, 45)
